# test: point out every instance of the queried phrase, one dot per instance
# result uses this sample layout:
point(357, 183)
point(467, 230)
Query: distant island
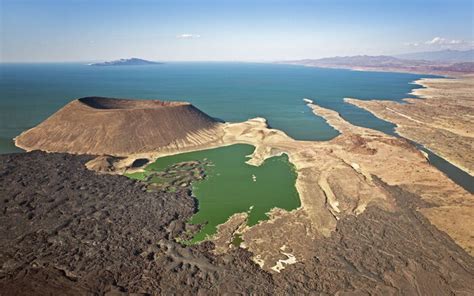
point(127, 62)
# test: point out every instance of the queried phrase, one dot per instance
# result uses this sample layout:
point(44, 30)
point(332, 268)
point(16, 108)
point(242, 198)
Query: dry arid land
point(442, 120)
point(375, 218)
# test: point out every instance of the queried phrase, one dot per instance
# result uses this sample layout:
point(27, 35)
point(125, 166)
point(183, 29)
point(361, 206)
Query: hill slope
point(96, 125)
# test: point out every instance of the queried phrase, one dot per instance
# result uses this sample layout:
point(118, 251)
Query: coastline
point(406, 125)
point(441, 73)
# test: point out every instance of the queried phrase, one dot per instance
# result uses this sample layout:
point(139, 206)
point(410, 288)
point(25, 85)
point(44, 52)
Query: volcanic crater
point(110, 126)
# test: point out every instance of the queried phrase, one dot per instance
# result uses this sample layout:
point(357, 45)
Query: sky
point(228, 30)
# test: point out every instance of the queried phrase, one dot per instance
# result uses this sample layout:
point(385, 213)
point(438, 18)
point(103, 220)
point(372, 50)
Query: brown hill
point(96, 125)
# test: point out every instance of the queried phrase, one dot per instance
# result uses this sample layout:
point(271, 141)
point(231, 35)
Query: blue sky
point(90, 30)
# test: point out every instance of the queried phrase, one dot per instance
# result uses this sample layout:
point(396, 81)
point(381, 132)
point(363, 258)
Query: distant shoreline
point(389, 64)
point(368, 69)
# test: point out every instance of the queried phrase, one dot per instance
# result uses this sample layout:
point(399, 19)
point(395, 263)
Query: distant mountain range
point(389, 64)
point(448, 55)
point(126, 62)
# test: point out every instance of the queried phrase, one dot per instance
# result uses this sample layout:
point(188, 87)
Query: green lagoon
point(232, 186)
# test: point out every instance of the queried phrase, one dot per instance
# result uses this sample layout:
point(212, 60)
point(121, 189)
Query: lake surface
point(29, 93)
point(231, 186)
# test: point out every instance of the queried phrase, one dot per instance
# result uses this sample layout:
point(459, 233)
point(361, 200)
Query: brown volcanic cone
point(96, 125)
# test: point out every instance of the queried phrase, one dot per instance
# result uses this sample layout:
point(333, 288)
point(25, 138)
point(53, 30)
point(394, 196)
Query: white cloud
point(412, 44)
point(188, 36)
point(443, 41)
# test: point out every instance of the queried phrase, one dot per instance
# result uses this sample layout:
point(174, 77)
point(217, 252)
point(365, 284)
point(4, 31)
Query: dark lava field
point(65, 230)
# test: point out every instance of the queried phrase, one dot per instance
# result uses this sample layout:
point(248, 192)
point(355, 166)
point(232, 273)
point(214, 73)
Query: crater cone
point(98, 126)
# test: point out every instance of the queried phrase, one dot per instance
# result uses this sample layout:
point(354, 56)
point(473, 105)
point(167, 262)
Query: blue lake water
point(230, 91)
point(29, 93)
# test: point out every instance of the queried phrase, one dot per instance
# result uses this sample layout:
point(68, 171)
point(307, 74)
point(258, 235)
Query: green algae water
point(232, 186)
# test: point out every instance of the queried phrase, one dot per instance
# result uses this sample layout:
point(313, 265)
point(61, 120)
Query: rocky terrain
point(67, 230)
point(180, 174)
point(70, 231)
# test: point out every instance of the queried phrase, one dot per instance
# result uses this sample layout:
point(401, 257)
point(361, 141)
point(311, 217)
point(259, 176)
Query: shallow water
point(232, 186)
